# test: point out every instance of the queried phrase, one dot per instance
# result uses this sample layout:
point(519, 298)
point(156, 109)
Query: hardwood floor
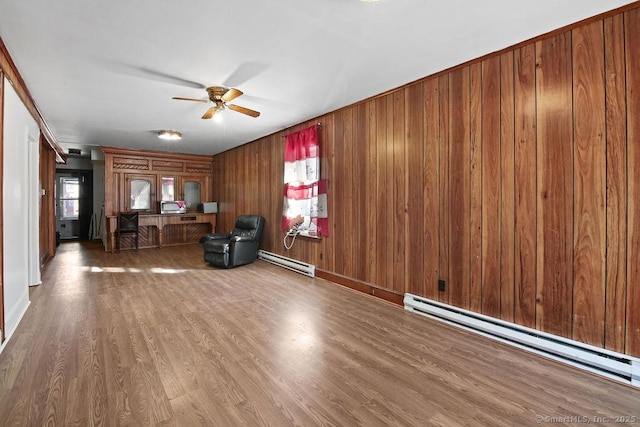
point(157, 337)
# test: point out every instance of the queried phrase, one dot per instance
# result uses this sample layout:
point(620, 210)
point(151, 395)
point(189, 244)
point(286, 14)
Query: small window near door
point(69, 198)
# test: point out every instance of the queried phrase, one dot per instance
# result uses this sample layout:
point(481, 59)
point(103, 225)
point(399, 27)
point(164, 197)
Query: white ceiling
point(103, 72)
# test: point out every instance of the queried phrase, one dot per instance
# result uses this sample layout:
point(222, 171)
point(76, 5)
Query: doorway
point(74, 204)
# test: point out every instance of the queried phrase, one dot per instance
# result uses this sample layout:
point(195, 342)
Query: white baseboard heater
point(291, 264)
point(613, 365)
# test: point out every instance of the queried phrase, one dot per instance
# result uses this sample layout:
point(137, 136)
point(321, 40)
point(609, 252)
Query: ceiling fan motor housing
point(216, 92)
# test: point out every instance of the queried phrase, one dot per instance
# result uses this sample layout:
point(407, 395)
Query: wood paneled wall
point(515, 178)
point(47, 202)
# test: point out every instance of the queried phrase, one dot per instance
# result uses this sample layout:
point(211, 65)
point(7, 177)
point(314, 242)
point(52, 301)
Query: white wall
point(20, 131)
point(76, 163)
point(34, 198)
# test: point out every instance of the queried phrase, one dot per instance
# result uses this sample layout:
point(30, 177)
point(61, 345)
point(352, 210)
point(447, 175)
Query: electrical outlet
point(441, 285)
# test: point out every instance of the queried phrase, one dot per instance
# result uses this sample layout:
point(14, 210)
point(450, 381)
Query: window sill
point(309, 235)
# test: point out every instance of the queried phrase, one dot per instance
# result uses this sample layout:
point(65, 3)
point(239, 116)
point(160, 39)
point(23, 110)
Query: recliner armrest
point(214, 236)
point(243, 239)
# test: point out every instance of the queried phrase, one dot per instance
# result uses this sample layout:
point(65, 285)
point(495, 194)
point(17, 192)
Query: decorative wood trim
point(198, 167)
point(199, 170)
point(148, 154)
point(130, 163)
point(167, 166)
point(130, 166)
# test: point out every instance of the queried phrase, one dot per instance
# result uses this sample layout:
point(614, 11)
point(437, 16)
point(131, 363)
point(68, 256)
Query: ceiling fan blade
point(168, 78)
point(245, 72)
point(190, 99)
point(243, 110)
point(232, 93)
point(210, 112)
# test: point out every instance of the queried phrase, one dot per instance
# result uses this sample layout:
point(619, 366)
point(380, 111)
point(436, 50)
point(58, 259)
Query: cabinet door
point(140, 192)
point(194, 190)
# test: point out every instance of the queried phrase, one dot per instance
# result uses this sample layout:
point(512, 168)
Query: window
point(305, 194)
point(69, 197)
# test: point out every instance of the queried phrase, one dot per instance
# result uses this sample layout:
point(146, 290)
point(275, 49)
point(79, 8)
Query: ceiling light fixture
point(171, 135)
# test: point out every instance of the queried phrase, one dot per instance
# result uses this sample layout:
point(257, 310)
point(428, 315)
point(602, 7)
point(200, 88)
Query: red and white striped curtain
point(305, 194)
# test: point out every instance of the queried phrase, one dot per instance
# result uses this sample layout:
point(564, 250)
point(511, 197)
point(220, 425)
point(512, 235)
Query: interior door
point(74, 204)
point(68, 205)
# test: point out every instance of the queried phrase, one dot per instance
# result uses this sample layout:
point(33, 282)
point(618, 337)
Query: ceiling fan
point(221, 96)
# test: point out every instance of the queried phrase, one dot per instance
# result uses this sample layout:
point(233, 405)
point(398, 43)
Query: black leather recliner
point(236, 248)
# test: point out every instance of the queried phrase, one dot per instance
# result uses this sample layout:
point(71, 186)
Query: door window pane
point(70, 209)
point(192, 194)
point(167, 189)
point(69, 197)
point(140, 194)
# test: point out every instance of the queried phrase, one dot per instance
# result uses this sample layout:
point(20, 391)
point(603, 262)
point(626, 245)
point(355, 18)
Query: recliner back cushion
point(248, 226)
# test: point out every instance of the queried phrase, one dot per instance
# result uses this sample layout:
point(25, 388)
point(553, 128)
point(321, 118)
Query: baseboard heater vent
point(613, 365)
point(291, 264)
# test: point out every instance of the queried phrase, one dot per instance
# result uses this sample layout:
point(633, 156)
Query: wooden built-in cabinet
point(137, 180)
point(192, 189)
